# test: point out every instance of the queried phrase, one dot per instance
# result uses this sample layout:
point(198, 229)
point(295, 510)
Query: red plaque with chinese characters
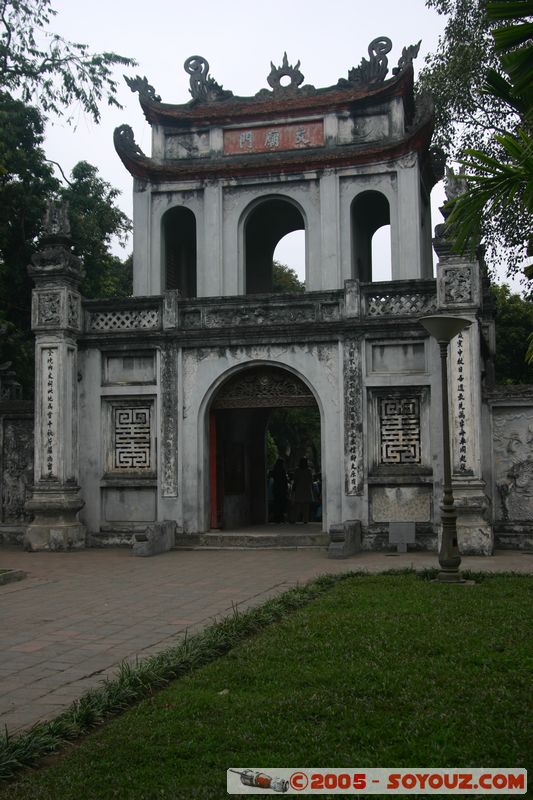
point(272, 138)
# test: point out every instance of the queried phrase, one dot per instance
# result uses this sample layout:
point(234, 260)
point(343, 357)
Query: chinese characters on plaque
point(295, 136)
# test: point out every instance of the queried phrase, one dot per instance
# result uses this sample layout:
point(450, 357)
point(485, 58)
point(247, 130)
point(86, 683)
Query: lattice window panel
point(395, 304)
point(399, 427)
point(132, 438)
point(139, 319)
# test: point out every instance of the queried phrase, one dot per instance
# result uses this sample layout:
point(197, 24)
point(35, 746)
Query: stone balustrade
point(365, 302)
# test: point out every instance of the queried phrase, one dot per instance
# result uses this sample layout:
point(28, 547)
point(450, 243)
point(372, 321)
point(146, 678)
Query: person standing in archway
point(302, 489)
point(280, 491)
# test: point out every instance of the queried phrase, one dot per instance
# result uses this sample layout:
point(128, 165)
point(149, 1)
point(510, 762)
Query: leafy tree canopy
point(43, 74)
point(42, 68)
point(26, 179)
point(95, 221)
point(296, 433)
point(514, 322)
point(285, 279)
point(456, 74)
point(480, 116)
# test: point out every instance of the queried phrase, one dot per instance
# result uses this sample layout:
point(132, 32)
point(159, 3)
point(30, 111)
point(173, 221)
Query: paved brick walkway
point(76, 616)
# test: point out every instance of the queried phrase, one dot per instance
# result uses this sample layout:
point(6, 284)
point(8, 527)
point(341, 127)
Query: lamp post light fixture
point(444, 328)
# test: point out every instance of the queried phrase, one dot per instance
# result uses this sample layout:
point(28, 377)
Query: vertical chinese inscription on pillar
point(169, 433)
point(353, 418)
point(461, 414)
point(50, 413)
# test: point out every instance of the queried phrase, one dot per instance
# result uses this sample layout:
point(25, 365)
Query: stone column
point(408, 263)
point(212, 281)
point(459, 291)
point(330, 230)
point(57, 322)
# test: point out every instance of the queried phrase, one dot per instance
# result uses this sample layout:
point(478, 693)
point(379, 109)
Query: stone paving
point(76, 616)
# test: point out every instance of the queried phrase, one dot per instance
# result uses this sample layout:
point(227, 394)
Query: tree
point(296, 433)
point(503, 185)
point(285, 279)
point(476, 118)
point(514, 322)
point(26, 180)
point(40, 67)
point(95, 221)
point(44, 69)
point(455, 75)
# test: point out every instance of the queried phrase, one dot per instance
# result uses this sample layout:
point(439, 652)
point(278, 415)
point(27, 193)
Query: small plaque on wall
point(270, 139)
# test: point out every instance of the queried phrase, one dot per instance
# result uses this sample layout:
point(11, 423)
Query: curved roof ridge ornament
point(125, 143)
point(145, 89)
point(203, 87)
point(285, 71)
point(371, 71)
point(407, 57)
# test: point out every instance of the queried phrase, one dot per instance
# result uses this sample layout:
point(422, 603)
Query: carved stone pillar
point(57, 322)
point(459, 291)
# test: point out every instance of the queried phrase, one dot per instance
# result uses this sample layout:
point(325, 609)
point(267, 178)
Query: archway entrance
point(238, 423)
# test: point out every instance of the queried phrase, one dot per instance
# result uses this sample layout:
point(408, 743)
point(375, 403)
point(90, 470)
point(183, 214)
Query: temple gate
point(135, 390)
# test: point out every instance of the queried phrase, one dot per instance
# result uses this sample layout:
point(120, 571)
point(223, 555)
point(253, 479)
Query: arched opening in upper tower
point(179, 250)
point(370, 211)
point(268, 222)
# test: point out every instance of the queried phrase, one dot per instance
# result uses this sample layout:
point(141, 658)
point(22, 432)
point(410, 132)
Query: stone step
point(220, 540)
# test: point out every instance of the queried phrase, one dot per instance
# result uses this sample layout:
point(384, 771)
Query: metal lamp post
point(444, 328)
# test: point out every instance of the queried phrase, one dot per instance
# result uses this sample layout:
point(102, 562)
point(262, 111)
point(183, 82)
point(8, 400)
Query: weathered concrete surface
point(77, 615)
point(158, 538)
point(345, 539)
point(11, 575)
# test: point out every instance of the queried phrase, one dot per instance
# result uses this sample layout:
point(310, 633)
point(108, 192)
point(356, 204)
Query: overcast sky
point(239, 38)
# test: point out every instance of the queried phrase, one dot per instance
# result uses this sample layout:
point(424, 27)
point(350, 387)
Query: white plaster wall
point(90, 423)
point(204, 371)
point(142, 236)
point(92, 435)
point(331, 273)
point(409, 220)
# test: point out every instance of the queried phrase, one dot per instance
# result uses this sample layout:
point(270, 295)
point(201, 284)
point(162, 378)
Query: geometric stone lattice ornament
point(132, 437)
point(399, 424)
point(140, 319)
point(394, 303)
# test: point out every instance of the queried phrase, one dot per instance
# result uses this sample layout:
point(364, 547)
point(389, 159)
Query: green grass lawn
point(380, 671)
